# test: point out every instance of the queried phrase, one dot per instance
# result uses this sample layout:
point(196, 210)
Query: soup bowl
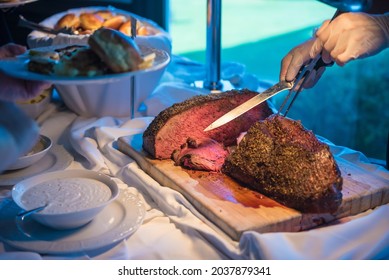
point(72, 197)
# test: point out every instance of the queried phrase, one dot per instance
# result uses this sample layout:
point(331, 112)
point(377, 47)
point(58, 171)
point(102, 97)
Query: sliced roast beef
point(174, 125)
point(206, 155)
point(279, 158)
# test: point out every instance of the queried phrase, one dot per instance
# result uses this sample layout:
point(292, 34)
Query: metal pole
point(212, 81)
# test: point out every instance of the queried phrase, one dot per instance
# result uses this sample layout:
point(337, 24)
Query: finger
point(310, 80)
point(322, 28)
point(316, 48)
point(11, 50)
point(294, 67)
point(340, 48)
point(329, 36)
point(330, 44)
point(16, 89)
point(345, 57)
point(326, 57)
point(351, 45)
point(320, 73)
point(285, 62)
point(314, 77)
point(33, 88)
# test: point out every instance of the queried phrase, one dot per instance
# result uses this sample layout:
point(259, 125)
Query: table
point(172, 227)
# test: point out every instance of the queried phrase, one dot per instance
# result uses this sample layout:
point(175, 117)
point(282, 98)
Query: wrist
point(383, 23)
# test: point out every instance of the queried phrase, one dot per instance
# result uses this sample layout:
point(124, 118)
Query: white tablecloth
point(173, 228)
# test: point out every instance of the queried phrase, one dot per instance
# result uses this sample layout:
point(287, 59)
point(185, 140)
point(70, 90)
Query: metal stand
point(212, 81)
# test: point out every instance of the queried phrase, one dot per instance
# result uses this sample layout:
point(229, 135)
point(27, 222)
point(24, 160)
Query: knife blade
point(249, 104)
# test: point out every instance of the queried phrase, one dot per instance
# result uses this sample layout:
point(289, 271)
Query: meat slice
point(174, 125)
point(206, 155)
point(279, 158)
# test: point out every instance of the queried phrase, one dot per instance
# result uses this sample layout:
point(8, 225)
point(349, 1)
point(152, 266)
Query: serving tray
point(236, 209)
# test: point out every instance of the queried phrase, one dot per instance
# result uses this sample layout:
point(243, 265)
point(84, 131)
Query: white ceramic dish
point(40, 149)
point(17, 68)
point(73, 197)
point(116, 222)
point(57, 158)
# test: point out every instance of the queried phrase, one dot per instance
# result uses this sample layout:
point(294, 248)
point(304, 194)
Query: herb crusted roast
point(279, 158)
point(173, 126)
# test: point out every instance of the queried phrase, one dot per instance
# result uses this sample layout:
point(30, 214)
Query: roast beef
point(174, 125)
point(279, 158)
point(205, 155)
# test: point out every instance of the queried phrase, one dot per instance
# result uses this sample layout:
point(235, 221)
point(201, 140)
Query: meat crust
point(279, 158)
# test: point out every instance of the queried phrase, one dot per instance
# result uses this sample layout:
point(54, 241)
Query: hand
point(297, 57)
point(18, 133)
point(351, 36)
point(15, 89)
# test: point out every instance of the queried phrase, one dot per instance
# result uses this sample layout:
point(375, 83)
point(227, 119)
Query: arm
point(12, 89)
point(18, 133)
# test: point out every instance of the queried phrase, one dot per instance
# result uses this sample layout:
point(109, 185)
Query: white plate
point(17, 67)
point(57, 158)
point(15, 3)
point(116, 222)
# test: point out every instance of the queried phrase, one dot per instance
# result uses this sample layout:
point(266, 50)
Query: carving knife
point(251, 103)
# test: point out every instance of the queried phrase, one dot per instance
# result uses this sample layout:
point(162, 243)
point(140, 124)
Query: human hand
point(18, 133)
point(299, 56)
point(350, 36)
point(13, 89)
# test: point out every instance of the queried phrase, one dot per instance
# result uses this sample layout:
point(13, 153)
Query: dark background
point(155, 10)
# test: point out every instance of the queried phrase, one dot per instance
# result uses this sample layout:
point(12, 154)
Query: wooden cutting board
point(236, 209)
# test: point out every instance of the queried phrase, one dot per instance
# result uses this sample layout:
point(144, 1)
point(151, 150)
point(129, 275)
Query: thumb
point(316, 48)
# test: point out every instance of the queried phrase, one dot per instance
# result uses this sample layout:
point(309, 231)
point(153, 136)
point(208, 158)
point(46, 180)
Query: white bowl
point(73, 197)
point(111, 98)
point(39, 150)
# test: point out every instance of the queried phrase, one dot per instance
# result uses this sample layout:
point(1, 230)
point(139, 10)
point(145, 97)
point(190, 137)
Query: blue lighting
point(355, 7)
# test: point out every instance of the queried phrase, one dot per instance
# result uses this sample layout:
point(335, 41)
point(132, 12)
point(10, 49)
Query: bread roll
point(89, 21)
point(114, 22)
point(126, 27)
point(118, 51)
point(104, 14)
point(69, 20)
point(145, 31)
